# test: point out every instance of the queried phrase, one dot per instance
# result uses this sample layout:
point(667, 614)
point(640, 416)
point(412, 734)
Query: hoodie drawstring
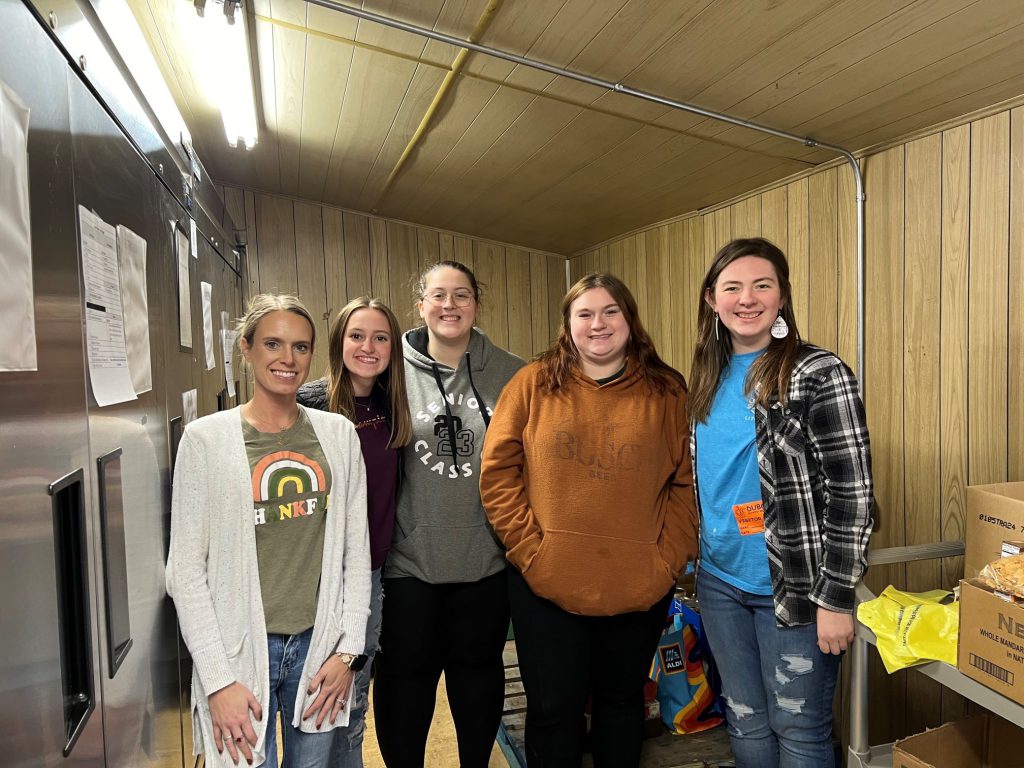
point(447, 410)
point(447, 406)
point(476, 394)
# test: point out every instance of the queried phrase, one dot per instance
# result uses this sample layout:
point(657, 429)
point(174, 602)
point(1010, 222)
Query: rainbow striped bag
point(689, 689)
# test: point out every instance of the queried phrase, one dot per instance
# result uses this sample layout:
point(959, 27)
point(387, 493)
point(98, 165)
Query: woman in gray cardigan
point(269, 564)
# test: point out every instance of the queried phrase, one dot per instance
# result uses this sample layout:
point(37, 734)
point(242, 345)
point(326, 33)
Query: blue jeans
point(347, 748)
point(778, 686)
point(301, 750)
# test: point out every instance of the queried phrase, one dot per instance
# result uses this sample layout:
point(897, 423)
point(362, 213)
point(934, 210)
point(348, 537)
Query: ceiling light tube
point(221, 51)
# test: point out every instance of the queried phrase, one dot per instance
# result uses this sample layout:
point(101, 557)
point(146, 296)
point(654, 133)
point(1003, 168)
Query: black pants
point(459, 629)
point(563, 659)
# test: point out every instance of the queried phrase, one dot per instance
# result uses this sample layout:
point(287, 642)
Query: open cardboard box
point(995, 513)
point(985, 741)
point(991, 648)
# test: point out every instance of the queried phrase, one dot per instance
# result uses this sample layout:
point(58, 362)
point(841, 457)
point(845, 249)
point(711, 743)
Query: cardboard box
point(991, 648)
point(985, 741)
point(995, 513)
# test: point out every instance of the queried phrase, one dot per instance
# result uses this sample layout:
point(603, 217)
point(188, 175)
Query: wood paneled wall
point(944, 340)
point(329, 255)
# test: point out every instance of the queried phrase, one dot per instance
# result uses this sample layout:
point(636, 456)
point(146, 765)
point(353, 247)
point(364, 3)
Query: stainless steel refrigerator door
point(43, 431)
point(138, 631)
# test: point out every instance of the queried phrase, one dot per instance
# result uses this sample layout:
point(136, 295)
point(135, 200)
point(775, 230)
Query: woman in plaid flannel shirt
point(782, 472)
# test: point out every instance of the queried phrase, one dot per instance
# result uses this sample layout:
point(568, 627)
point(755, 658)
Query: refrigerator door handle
point(72, 567)
point(115, 563)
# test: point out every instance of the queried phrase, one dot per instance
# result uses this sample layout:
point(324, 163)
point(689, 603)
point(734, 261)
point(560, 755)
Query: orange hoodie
point(590, 488)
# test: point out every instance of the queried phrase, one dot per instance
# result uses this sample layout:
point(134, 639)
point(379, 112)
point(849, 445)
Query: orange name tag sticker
point(749, 517)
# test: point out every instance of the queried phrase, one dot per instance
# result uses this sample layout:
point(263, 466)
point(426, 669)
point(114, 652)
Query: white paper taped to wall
point(227, 341)
point(189, 405)
point(184, 289)
point(207, 290)
point(17, 307)
point(131, 255)
point(104, 316)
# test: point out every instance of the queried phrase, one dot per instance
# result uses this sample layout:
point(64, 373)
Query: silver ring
point(340, 701)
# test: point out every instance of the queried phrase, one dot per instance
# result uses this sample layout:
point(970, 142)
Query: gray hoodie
point(441, 532)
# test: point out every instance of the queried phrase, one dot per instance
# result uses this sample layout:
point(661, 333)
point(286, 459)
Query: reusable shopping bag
point(689, 690)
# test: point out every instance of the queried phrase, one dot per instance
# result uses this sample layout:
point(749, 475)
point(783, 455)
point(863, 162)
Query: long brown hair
point(558, 361)
point(392, 380)
point(769, 375)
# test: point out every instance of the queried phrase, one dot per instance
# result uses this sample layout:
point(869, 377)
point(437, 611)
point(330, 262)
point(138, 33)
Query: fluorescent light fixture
point(220, 57)
point(124, 32)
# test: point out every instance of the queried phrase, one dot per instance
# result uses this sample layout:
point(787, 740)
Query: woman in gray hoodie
point(445, 595)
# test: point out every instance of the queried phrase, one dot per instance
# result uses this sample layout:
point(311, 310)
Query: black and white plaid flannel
point(814, 459)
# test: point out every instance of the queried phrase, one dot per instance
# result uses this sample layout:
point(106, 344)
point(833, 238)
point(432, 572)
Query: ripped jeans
point(778, 686)
point(347, 748)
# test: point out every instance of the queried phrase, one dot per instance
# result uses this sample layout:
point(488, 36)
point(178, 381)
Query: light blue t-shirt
point(731, 510)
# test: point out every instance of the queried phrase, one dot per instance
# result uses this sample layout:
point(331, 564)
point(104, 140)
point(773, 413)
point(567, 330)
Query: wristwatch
point(353, 662)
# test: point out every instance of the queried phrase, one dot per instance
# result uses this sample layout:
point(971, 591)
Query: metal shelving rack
point(860, 753)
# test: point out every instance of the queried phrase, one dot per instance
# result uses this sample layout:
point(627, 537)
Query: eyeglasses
point(459, 298)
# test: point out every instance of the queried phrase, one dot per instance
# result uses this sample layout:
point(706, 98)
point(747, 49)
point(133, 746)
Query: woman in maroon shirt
point(366, 383)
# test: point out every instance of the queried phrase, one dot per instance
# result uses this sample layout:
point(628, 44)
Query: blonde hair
point(262, 305)
point(340, 398)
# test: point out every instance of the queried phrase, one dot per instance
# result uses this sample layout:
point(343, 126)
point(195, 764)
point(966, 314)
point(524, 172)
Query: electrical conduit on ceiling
point(472, 45)
point(521, 88)
point(446, 85)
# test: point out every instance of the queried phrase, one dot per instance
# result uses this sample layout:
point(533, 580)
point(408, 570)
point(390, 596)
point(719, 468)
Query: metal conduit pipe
point(637, 93)
point(442, 92)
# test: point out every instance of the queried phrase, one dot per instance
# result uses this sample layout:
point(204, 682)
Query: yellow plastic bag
point(912, 627)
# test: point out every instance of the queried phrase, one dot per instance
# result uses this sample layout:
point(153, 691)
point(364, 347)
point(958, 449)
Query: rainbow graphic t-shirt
point(291, 487)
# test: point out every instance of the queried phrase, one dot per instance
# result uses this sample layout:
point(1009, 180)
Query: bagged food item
point(1005, 575)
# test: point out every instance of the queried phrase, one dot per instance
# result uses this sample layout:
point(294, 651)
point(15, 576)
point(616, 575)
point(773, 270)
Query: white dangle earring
point(716, 326)
point(780, 328)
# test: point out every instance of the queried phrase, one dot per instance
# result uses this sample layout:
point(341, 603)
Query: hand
point(229, 710)
point(835, 631)
point(334, 681)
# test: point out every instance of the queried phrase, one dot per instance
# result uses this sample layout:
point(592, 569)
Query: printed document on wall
point(104, 316)
point(184, 291)
point(207, 291)
point(131, 255)
point(17, 308)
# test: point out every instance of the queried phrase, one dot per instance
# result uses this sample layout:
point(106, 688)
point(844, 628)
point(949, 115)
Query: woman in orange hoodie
point(586, 479)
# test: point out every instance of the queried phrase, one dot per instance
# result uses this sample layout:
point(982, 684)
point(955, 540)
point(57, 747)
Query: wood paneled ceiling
point(518, 155)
